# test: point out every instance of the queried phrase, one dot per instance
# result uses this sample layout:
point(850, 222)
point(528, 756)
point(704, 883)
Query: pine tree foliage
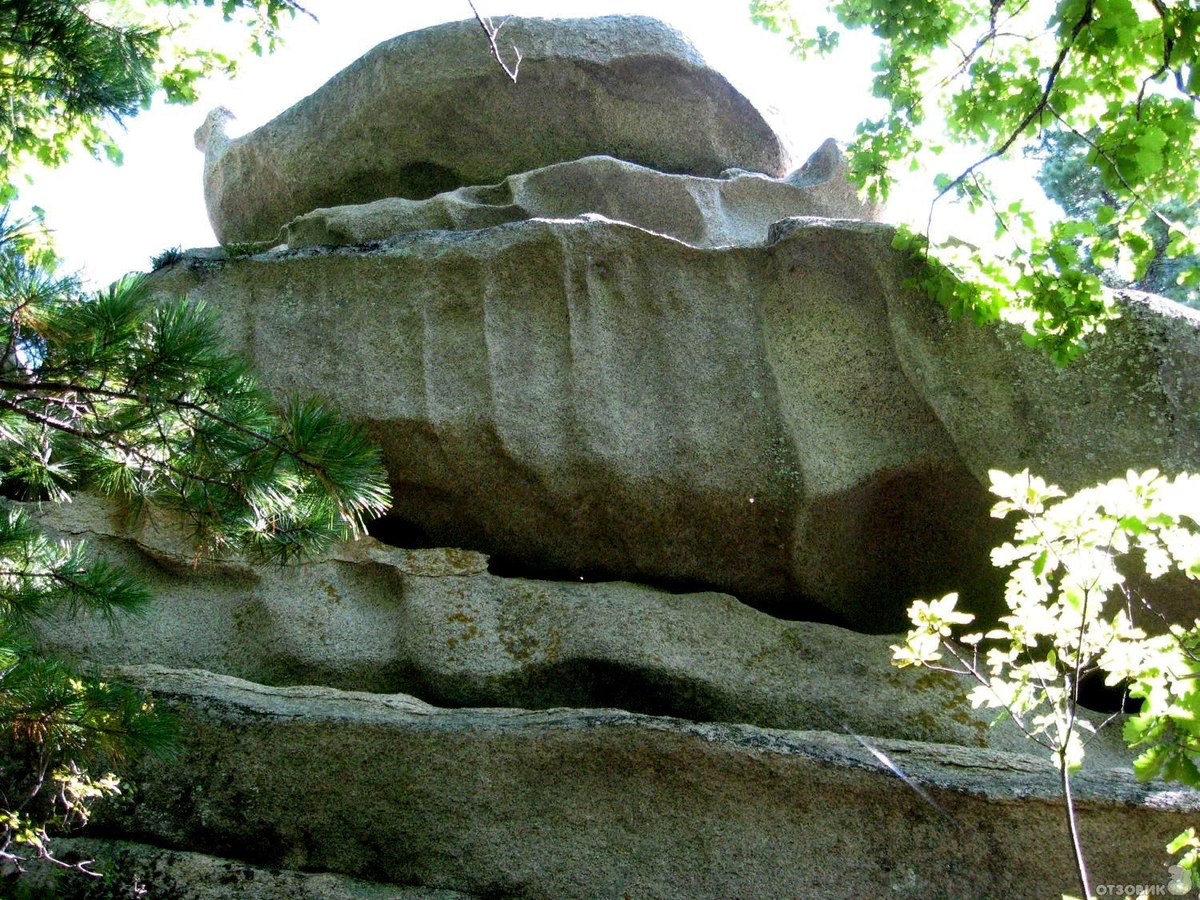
point(139, 398)
point(134, 396)
point(1123, 76)
point(130, 394)
point(1073, 183)
point(69, 71)
point(59, 69)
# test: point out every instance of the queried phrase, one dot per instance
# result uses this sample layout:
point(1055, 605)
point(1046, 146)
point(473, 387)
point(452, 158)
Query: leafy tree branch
point(1072, 616)
point(1120, 73)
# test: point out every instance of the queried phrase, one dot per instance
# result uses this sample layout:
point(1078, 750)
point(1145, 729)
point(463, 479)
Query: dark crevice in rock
point(397, 531)
point(508, 567)
point(810, 610)
point(593, 683)
point(596, 684)
point(1099, 697)
point(397, 678)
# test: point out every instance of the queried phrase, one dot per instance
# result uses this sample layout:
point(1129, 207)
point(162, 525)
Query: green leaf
point(1185, 839)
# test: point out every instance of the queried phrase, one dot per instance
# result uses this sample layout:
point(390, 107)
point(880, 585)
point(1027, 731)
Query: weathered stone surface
point(601, 803)
point(1132, 401)
point(152, 873)
point(786, 423)
point(357, 621)
point(598, 369)
point(431, 111)
point(825, 175)
point(158, 535)
point(587, 398)
point(701, 212)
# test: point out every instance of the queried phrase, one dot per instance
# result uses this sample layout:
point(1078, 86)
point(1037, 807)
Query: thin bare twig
point(296, 7)
point(988, 37)
point(491, 31)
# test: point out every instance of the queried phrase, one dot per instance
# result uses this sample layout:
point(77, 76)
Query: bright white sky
point(109, 220)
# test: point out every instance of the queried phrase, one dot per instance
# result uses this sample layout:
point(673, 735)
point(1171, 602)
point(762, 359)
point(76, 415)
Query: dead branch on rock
point(491, 31)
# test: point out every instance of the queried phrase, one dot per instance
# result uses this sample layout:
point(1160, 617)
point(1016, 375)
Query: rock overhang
point(582, 395)
point(506, 368)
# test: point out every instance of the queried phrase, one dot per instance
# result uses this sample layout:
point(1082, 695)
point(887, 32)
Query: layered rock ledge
point(737, 211)
point(434, 624)
point(786, 423)
point(604, 803)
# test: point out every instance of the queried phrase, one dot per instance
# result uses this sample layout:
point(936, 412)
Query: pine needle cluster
point(134, 396)
point(129, 394)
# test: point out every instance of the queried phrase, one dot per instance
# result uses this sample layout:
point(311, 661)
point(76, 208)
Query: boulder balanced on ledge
point(581, 397)
point(432, 111)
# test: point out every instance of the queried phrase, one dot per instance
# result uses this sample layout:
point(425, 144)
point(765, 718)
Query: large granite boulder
point(787, 423)
point(583, 397)
point(602, 803)
point(431, 111)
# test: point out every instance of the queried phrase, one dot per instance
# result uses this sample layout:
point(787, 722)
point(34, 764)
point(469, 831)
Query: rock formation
point(605, 803)
point(734, 211)
point(434, 623)
point(683, 433)
point(431, 111)
point(585, 397)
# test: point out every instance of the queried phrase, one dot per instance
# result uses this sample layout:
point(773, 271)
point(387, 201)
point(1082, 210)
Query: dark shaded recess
point(813, 611)
point(1154, 603)
point(400, 532)
point(592, 684)
point(918, 534)
point(512, 567)
point(415, 181)
point(397, 678)
point(914, 534)
point(18, 490)
point(1099, 697)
